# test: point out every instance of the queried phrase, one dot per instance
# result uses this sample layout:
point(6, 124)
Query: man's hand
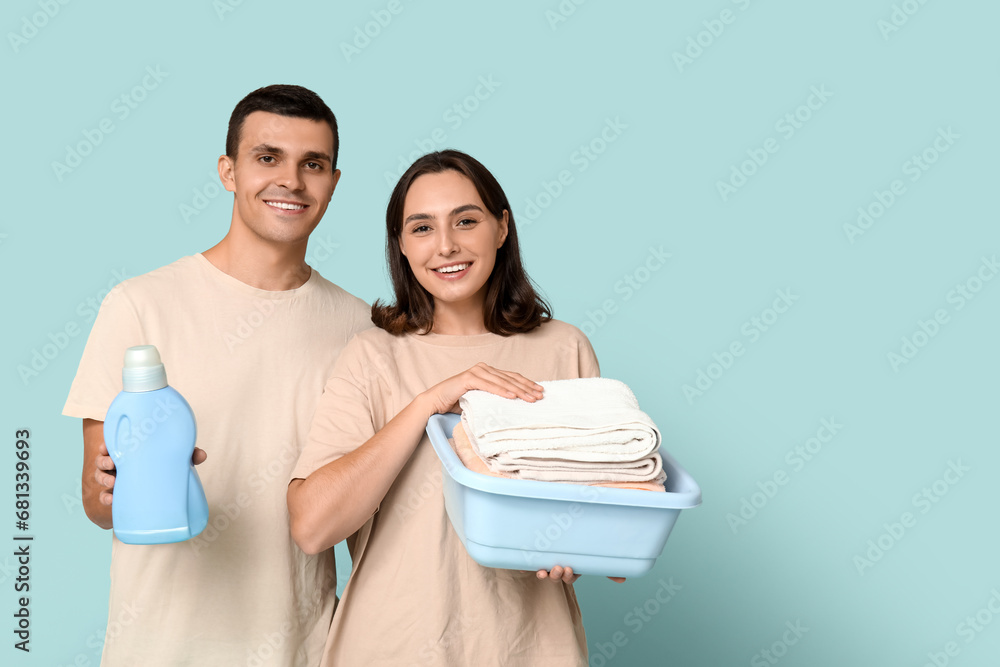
point(105, 472)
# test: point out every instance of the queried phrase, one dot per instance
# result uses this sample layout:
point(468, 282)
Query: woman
point(464, 309)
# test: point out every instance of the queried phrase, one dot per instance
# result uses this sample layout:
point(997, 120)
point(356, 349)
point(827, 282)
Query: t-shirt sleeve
point(99, 375)
point(343, 418)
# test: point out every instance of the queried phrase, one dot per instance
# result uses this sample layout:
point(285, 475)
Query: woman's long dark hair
point(512, 305)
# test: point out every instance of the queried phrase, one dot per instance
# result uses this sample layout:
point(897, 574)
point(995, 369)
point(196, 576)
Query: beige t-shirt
point(415, 596)
point(251, 363)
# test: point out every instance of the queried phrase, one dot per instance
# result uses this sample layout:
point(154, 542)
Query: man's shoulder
point(165, 277)
point(337, 293)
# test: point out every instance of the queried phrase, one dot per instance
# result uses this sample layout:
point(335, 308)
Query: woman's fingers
point(505, 383)
point(558, 573)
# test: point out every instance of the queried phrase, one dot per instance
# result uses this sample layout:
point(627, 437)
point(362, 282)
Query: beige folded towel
point(467, 455)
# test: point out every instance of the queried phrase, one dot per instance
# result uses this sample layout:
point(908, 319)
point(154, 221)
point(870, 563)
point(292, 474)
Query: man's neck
point(259, 265)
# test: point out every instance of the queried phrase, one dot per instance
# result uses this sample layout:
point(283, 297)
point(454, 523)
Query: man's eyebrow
point(314, 155)
point(267, 148)
point(455, 211)
point(309, 155)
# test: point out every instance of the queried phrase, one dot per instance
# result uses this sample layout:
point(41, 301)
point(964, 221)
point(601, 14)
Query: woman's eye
point(419, 229)
point(467, 221)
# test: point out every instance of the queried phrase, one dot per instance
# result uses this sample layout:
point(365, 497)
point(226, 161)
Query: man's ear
point(336, 179)
point(226, 167)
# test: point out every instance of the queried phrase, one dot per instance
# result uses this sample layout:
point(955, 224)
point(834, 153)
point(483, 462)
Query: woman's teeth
point(452, 269)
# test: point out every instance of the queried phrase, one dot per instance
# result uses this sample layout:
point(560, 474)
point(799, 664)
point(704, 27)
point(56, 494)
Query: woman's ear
point(503, 229)
point(399, 240)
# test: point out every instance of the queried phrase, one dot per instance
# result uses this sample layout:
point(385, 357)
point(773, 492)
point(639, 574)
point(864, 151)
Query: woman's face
point(449, 238)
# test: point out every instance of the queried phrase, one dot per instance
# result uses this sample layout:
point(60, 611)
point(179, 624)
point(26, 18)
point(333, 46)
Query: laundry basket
point(527, 525)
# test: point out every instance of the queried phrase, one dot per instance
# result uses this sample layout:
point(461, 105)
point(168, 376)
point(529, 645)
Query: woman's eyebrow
point(455, 211)
point(466, 207)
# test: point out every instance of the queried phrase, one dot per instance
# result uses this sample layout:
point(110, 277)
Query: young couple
point(312, 404)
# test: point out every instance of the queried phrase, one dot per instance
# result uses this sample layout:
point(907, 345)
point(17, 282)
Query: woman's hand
point(443, 397)
point(565, 574)
point(558, 573)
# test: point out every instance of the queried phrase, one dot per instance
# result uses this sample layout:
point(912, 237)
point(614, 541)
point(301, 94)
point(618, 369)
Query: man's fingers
point(104, 462)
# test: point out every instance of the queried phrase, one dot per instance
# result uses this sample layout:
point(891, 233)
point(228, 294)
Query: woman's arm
point(337, 499)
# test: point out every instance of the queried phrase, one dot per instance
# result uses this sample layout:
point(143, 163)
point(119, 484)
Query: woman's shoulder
point(557, 329)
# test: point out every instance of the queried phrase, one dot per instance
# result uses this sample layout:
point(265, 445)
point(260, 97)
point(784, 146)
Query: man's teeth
point(452, 269)
point(290, 207)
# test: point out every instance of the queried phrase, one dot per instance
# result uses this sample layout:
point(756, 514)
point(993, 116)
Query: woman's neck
point(454, 319)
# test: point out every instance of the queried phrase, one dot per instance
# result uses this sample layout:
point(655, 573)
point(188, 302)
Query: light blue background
point(654, 186)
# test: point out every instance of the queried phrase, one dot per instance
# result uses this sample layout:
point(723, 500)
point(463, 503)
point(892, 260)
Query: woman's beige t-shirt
point(415, 596)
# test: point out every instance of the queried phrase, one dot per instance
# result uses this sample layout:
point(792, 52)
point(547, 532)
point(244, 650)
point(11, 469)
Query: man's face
point(282, 177)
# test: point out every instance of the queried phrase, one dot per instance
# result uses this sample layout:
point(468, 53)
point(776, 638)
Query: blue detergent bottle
point(150, 434)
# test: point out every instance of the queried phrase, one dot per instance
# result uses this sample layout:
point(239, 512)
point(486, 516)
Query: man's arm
point(98, 474)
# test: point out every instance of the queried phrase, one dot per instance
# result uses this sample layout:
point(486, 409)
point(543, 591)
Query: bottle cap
point(143, 370)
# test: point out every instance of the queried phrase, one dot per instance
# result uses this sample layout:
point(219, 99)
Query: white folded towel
point(586, 419)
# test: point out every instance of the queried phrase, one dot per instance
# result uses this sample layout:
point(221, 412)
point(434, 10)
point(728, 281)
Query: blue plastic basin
point(526, 525)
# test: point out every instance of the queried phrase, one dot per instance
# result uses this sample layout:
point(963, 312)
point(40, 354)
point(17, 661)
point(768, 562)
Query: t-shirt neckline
point(219, 275)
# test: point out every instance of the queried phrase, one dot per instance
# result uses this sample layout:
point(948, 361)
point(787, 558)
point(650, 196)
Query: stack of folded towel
point(584, 431)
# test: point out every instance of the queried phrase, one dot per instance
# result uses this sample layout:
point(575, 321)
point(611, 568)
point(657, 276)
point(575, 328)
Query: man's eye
point(314, 165)
point(266, 159)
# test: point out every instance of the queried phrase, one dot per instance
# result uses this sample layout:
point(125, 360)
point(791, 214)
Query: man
point(248, 333)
